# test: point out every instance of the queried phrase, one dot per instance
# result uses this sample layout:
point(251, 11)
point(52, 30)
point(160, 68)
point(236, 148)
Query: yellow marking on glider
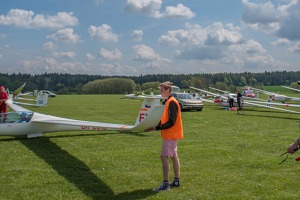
point(18, 91)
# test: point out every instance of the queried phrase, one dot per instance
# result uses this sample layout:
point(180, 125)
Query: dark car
point(188, 102)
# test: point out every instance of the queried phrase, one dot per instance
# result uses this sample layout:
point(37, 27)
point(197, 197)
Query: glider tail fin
point(149, 115)
point(18, 90)
point(147, 106)
point(42, 99)
point(149, 103)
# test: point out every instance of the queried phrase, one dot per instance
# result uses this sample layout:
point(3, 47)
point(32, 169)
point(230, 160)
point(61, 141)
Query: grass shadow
point(76, 171)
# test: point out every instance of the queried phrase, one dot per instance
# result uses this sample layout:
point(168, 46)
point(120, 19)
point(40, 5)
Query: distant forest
point(75, 84)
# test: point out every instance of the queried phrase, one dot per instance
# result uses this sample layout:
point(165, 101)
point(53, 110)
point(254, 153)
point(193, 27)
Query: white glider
point(276, 96)
point(250, 102)
point(33, 124)
point(40, 101)
point(271, 105)
point(297, 90)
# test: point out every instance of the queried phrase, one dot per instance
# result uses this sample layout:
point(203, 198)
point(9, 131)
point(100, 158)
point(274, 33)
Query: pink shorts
point(169, 148)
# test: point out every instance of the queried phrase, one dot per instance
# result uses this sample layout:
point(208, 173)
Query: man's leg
point(176, 165)
point(166, 167)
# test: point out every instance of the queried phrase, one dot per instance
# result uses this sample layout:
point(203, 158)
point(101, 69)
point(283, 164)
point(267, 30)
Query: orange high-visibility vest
point(176, 131)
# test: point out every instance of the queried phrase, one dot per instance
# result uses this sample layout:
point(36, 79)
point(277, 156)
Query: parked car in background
point(50, 94)
point(188, 102)
point(248, 93)
point(175, 88)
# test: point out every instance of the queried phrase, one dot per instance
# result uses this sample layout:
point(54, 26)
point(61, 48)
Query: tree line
point(64, 83)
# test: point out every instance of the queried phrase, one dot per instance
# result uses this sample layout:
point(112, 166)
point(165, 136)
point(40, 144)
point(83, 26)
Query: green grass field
point(223, 155)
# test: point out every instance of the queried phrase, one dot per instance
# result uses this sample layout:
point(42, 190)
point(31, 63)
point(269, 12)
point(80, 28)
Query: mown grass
point(223, 155)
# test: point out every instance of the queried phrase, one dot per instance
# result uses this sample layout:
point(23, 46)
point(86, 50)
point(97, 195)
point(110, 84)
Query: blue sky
point(134, 37)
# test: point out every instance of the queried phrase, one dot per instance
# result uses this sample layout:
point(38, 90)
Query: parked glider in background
point(250, 102)
point(271, 105)
point(225, 93)
point(246, 92)
point(220, 100)
point(32, 124)
point(40, 101)
point(297, 90)
point(276, 96)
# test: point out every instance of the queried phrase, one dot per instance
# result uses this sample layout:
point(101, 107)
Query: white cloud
point(217, 44)
point(178, 11)
point(89, 56)
point(40, 65)
point(137, 35)
point(49, 46)
point(290, 22)
point(27, 19)
point(103, 33)
point(195, 35)
point(51, 65)
point(295, 48)
point(110, 55)
point(280, 20)
point(145, 53)
point(145, 7)
point(281, 42)
point(66, 54)
point(65, 35)
point(152, 8)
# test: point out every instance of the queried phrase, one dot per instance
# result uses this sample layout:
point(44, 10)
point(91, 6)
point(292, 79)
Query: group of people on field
point(238, 99)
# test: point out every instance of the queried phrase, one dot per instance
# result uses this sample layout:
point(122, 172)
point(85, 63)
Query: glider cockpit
point(16, 117)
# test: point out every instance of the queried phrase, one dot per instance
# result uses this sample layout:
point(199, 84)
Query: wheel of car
point(181, 108)
point(199, 109)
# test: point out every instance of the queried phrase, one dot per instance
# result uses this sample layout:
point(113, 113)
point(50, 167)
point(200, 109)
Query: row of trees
point(95, 84)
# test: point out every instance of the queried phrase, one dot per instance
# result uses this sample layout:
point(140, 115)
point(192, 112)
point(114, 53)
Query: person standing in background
point(3, 99)
point(239, 98)
point(230, 101)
